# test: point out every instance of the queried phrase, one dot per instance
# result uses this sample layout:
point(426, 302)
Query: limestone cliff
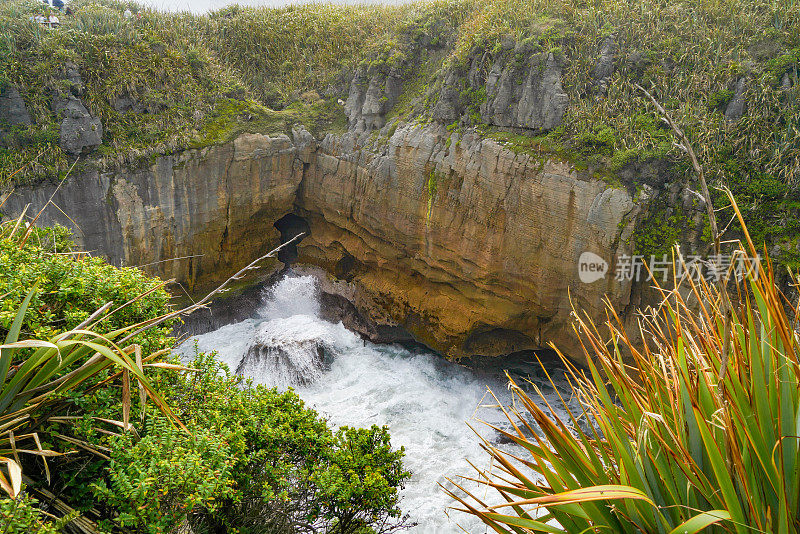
point(470, 246)
point(195, 217)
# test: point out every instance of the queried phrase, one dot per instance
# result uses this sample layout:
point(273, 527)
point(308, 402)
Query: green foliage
point(358, 483)
point(720, 99)
point(159, 482)
point(171, 76)
point(294, 49)
point(289, 471)
point(72, 286)
point(692, 428)
point(38, 376)
point(661, 229)
point(251, 459)
point(21, 516)
point(231, 118)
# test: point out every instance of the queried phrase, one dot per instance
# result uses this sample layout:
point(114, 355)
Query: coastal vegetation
point(102, 429)
point(690, 422)
point(687, 424)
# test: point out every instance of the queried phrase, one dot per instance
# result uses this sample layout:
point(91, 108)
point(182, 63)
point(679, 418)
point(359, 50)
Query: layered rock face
point(471, 247)
point(467, 245)
point(196, 217)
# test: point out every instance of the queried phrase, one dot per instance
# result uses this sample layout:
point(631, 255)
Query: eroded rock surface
point(79, 129)
point(735, 108)
point(12, 110)
point(471, 247)
point(467, 245)
point(196, 217)
point(526, 96)
point(370, 97)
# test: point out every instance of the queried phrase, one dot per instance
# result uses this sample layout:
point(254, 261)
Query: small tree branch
point(686, 146)
point(147, 325)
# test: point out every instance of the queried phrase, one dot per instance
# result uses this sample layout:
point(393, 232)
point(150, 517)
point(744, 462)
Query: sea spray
point(425, 400)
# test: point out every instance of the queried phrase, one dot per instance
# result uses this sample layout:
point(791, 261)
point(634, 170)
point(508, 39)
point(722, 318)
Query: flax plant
point(660, 442)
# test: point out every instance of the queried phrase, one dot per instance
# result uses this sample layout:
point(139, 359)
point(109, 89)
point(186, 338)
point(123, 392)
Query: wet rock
point(79, 129)
point(735, 108)
point(291, 352)
point(336, 308)
point(529, 96)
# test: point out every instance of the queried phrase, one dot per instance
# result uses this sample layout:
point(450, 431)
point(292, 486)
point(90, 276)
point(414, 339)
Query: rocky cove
point(470, 247)
point(454, 187)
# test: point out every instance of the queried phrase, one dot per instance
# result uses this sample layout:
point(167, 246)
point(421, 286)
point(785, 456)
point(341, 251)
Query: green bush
point(289, 472)
point(72, 286)
point(357, 483)
point(21, 516)
point(158, 483)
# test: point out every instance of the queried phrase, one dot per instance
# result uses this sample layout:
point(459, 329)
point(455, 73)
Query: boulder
point(79, 130)
point(72, 76)
point(448, 107)
point(786, 82)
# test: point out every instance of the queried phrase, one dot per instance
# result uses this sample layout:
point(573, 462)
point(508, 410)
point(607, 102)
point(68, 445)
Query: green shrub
point(720, 99)
point(41, 379)
point(289, 471)
point(21, 516)
point(72, 286)
point(357, 483)
point(158, 483)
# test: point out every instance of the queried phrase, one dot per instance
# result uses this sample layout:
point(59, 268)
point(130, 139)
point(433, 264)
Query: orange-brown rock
point(471, 247)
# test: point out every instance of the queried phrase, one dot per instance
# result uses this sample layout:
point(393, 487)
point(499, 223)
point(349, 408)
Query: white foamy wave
point(290, 296)
point(293, 351)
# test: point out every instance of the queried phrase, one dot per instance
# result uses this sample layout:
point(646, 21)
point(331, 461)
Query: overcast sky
point(202, 6)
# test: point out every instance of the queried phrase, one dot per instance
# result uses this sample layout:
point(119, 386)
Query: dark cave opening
point(290, 226)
